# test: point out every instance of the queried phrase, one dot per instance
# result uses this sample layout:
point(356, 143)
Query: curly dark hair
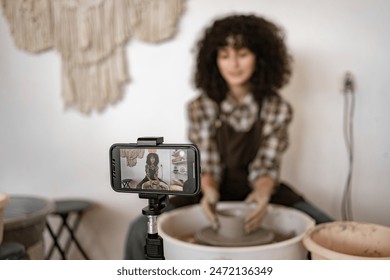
point(150, 155)
point(260, 36)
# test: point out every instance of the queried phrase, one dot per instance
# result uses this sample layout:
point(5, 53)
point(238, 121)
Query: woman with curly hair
point(151, 179)
point(239, 121)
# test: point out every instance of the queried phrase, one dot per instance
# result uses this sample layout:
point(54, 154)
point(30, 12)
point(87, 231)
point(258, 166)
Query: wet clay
point(278, 237)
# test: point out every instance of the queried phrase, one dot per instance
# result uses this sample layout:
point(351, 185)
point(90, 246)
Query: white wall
point(48, 151)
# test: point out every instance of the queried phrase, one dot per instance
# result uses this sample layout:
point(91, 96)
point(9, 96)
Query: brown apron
point(237, 150)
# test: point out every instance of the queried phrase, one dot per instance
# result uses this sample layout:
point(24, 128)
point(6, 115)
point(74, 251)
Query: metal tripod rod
point(152, 224)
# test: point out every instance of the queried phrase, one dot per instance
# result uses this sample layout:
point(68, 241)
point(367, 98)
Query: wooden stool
point(63, 209)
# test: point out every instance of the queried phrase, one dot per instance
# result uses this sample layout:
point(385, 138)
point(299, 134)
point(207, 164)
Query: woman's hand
point(210, 199)
point(260, 195)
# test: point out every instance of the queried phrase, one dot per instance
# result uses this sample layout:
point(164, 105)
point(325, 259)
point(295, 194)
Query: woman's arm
point(276, 115)
point(264, 170)
point(202, 114)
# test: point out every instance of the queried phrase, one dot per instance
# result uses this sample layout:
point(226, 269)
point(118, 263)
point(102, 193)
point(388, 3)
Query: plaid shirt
point(275, 115)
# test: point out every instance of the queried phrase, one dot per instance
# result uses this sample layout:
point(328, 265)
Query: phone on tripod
point(155, 170)
point(160, 169)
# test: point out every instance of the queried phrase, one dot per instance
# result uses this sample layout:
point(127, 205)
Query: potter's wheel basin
point(178, 227)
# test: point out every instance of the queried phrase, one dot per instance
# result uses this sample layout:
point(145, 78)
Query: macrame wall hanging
point(132, 155)
point(90, 36)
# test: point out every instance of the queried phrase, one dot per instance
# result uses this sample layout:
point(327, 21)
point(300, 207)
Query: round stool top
point(64, 206)
point(25, 210)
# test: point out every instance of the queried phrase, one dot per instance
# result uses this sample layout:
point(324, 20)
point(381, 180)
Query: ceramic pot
point(186, 221)
point(343, 240)
point(3, 202)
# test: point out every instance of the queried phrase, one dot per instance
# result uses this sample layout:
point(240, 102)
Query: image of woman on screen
point(151, 180)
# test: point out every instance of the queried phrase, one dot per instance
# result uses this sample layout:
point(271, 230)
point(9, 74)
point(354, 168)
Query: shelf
point(179, 162)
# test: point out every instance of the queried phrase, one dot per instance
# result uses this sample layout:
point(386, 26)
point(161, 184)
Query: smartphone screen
point(165, 169)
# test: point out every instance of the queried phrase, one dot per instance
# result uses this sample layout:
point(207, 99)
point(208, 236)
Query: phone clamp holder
point(150, 141)
point(154, 246)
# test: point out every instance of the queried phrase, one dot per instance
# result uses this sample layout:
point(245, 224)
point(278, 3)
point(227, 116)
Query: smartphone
point(162, 169)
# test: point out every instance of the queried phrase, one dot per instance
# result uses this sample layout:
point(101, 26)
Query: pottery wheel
point(210, 237)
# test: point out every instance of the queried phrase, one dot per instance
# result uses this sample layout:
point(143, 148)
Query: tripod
point(154, 249)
